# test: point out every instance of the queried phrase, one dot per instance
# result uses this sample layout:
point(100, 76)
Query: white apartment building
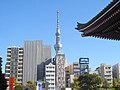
point(116, 71)
point(106, 72)
point(50, 76)
point(14, 63)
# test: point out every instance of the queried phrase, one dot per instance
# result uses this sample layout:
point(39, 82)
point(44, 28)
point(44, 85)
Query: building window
point(52, 83)
point(48, 75)
point(52, 75)
point(20, 52)
point(7, 75)
point(8, 55)
point(20, 48)
point(20, 59)
point(52, 79)
point(8, 59)
point(108, 71)
point(75, 64)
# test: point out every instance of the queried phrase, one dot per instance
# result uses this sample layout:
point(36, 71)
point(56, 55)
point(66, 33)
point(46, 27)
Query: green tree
point(3, 81)
point(16, 82)
point(89, 82)
point(116, 84)
point(19, 87)
point(106, 85)
point(76, 83)
point(31, 85)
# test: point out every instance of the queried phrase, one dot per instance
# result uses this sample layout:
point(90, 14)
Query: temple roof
point(105, 24)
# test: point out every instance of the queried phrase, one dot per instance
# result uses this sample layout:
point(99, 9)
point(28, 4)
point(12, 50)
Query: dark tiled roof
point(80, 25)
point(105, 24)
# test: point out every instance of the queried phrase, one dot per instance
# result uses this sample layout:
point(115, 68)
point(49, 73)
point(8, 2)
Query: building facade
point(60, 59)
point(50, 76)
point(76, 69)
point(14, 63)
point(72, 69)
point(41, 69)
point(60, 71)
point(70, 80)
point(93, 71)
point(106, 72)
point(68, 72)
point(34, 54)
point(116, 71)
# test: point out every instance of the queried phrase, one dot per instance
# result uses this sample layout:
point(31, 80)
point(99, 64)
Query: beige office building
point(72, 69)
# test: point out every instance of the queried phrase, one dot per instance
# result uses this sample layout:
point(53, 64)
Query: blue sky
point(22, 20)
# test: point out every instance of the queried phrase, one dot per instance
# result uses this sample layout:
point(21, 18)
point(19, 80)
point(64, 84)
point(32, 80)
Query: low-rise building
point(71, 80)
point(106, 72)
point(72, 69)
point(50, 76)
point(93, 72)
point(68, 71)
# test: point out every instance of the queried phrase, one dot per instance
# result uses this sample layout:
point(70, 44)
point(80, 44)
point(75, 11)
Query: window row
point(49, 75)
point(50, 79)
point(50, 71)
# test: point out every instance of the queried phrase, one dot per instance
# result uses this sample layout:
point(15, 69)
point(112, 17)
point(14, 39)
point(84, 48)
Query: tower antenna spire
point(57, 19)
point(58, 45)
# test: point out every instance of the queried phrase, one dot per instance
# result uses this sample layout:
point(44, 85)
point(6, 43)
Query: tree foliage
point(89, 82)
point(31, 85)
point(76, 83)
point(3, 81)
point(19, 87)
point(116, 84)
point(106, 85)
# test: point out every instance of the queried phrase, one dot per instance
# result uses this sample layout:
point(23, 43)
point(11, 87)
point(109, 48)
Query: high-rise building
point(34, 54)
point(50, 76)
point(60, 59)
point(106, 72)
point(14, 63)
point(116, 71)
